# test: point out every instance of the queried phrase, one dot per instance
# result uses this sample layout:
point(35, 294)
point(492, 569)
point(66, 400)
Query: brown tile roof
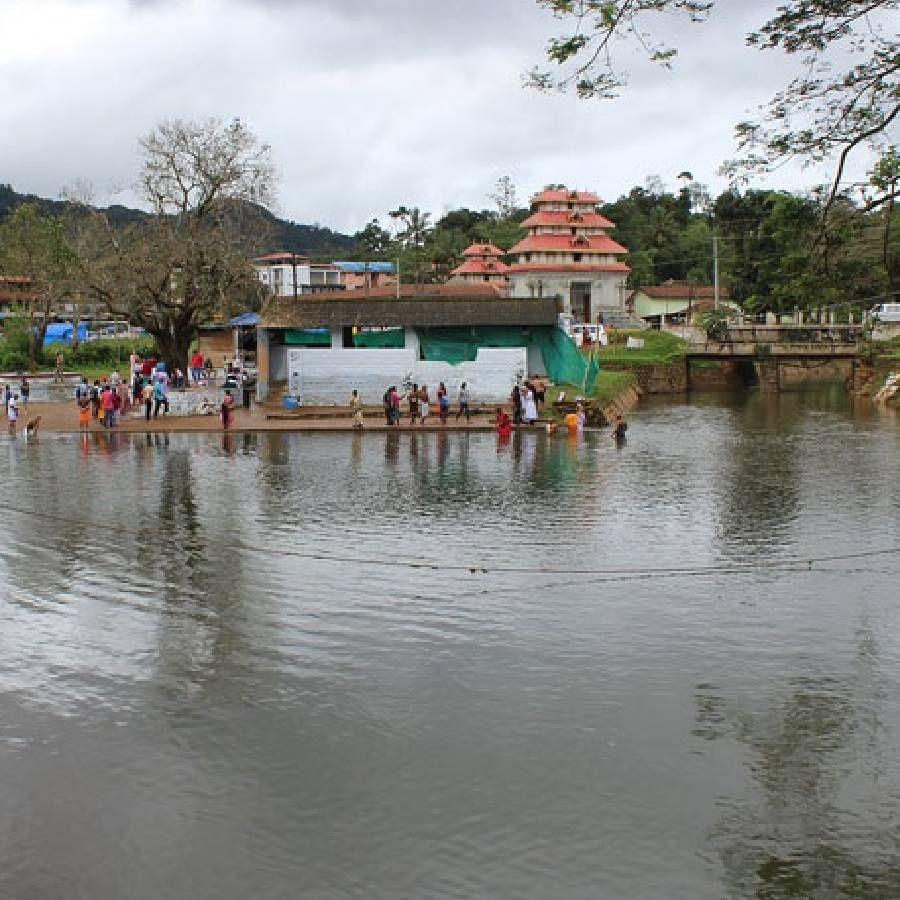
point(682, 291)
point(281, 256)
point(457, 290)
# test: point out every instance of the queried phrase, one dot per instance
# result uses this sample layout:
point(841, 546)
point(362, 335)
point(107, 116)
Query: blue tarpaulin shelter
point(61, 333)
point(244, 320)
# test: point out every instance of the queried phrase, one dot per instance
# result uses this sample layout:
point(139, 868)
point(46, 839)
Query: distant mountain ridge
point(308, 240)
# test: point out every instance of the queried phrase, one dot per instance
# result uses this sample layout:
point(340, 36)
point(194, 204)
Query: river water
point(261, 666)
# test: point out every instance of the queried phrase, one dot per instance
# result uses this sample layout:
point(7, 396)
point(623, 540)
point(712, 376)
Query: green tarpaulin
point(307, 337)
point(563, 361)
point(388, 338)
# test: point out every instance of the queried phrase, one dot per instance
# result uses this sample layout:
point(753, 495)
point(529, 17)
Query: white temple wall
point(321, 377)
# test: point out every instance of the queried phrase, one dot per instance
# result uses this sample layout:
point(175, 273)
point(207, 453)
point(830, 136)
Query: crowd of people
point(112, 396)
point(418, 403)
point(527, 398)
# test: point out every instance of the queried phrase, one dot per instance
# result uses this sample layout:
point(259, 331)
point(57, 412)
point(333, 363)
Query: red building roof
point(567, 219)
point(570, 267)
point(481, 267)
point(482, 250)
point(562, 195)
point(553, 243)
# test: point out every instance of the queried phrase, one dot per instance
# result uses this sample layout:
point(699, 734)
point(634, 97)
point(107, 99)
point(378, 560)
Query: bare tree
point(175, 271)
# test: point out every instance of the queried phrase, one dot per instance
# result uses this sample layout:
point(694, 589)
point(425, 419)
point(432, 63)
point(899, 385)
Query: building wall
point(215, 344)
point(280, 278)
point(358, 281)
point(328, 376)
point(605, 292)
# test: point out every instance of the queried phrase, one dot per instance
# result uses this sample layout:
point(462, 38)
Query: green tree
point(885, 177)
point(413, 228)
point(35, 245)
point(846, 97)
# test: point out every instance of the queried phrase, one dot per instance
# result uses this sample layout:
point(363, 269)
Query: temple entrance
point(580, 300)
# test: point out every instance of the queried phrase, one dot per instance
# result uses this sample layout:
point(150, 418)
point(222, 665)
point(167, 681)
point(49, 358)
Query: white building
point(568, 253)
point(284, 274)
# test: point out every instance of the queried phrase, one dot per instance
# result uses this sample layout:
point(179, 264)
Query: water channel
point(225, 672)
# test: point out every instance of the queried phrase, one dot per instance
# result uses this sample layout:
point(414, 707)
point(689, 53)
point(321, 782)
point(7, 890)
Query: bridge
point(770, 349)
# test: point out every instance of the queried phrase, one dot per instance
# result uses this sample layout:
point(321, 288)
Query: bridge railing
point(810, 333)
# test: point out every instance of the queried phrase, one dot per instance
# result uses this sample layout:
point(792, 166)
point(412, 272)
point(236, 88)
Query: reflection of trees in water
point(795, 838)
point(758, 490)
point(203, 616)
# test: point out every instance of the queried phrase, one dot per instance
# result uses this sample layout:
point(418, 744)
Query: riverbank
point(62, 418)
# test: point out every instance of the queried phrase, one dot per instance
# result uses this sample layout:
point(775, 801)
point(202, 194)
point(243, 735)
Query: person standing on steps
point(516, 399)
point(529, 408)
point(356, 409)
point(423, 404)
point(227, 410)
point(159, 399)
point(413, 399)
point(395, 405)
point(12, 414)
point(443, 400)
point(147, 397)
point(464, 402)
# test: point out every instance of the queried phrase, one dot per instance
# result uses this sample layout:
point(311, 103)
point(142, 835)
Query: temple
point(568, 253)
point(482, 264)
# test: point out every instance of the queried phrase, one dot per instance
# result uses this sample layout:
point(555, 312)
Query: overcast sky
point(367, 104)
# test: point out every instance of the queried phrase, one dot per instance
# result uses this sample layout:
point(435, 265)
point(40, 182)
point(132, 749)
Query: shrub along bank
point(89, 357)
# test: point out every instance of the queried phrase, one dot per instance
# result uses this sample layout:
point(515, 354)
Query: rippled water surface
point(265, 668)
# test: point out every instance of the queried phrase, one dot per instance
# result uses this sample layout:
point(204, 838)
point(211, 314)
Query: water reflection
point(821, 821)
point(191, 672)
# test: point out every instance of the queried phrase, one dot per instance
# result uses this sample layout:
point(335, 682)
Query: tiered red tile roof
point(552, 247)
point(561, 195)
point(482, 250)
point(481, 267)
point(567, 219)
point(593, 243)
point(482, 260)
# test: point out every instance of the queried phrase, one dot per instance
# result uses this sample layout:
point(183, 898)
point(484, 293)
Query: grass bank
point(659, 347)
point(608, 386)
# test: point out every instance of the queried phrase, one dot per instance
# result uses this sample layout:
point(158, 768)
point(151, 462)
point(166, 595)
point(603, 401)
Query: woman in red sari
point(504, 426)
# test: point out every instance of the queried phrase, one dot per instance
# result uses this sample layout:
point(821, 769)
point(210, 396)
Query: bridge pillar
point(768, 374)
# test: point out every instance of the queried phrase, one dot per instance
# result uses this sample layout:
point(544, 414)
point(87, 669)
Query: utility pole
point(294, 272)
point(715, 268)
point(398, 278)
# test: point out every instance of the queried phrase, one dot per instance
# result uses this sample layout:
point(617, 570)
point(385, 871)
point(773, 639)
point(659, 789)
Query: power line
point(786, 564)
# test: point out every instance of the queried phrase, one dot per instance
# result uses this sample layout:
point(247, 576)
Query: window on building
point(576, 257)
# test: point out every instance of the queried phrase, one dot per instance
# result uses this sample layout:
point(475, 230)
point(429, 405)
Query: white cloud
point(366, 103)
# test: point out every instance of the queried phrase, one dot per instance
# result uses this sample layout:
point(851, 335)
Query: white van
point(886, 312)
